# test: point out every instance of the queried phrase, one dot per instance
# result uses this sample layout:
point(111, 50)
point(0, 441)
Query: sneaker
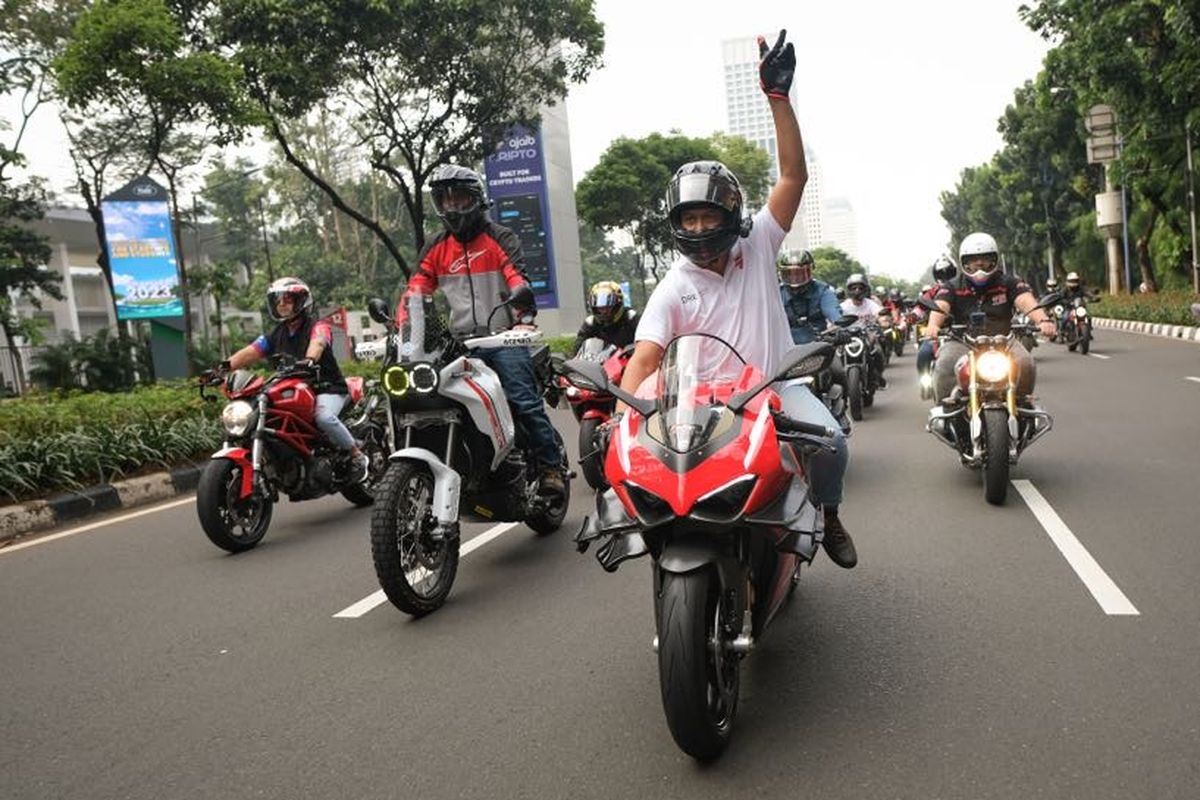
point(838, 544)
point(552, 482)
point(881, 382)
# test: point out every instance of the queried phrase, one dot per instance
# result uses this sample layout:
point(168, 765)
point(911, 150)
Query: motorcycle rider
point(944, 270)
point(1074, 288)
point(810, 304)
point(724, 282)
point(982, 287)
point(477, 263)
point(610, 320)
point(305, 338)
point(859, 302)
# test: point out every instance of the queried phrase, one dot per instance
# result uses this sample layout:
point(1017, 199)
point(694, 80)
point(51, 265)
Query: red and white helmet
point(302, 300)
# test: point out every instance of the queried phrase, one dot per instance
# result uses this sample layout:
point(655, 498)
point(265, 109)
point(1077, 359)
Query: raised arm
point(775, 70)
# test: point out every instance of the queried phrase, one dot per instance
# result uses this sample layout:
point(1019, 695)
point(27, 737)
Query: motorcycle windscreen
point(695, 381)
point(421, 332)
point(594, 349)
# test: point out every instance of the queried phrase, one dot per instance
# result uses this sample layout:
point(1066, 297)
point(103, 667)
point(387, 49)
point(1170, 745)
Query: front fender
point(241, 457)
point(446, 482)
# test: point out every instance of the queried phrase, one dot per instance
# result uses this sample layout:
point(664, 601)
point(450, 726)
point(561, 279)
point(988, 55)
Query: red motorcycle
point(272, 444)
point(709, 479)
point(593, 407)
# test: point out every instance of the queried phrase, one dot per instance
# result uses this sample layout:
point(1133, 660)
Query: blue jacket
point(815, 300)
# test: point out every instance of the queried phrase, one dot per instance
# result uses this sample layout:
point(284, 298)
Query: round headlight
point(1081, 312)
point(395, 381)
point(237, 417)
point(854, 348)
point(1058, 310)
point(992, 366)
point(423, 378)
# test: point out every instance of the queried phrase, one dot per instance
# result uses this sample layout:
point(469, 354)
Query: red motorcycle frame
point(272, 444)
point(594, 406)
point(709, 479)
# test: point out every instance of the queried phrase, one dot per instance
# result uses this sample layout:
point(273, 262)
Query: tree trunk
point(183, 283)
point(220, 326)
point(93, 209)
point(1145, 264)
point(14, 355)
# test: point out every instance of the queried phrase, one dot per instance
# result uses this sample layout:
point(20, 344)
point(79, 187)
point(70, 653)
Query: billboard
point(516, 177)
point(141, 251)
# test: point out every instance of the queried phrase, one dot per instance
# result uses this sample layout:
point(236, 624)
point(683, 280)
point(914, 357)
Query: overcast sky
point(895, 98)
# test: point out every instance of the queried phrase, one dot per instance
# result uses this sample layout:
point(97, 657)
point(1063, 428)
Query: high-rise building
point(748, 115)
point(841, 226)
point(812, 207)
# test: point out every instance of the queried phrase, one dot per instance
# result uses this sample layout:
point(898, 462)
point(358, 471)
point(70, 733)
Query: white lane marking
point(92, 526)
point(1111, 599)
point(1097, 355)
point(1192, 378)
point(379, 598)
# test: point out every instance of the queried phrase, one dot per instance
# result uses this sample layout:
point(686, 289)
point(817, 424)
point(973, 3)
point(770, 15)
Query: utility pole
point(1191, 195)
point(262, 221)
point(1102, 148)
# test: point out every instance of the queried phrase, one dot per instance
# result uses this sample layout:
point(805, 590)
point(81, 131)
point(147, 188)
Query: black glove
point(305, 365)
point(776, 67)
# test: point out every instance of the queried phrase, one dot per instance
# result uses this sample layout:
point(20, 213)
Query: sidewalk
point(38, 515)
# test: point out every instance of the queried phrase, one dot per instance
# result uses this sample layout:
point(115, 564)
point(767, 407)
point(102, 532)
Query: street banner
point(516, 176)
point(337, 318)
point(141, 251)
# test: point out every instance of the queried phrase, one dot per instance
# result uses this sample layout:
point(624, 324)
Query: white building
point(748, 115)
point(841, 226)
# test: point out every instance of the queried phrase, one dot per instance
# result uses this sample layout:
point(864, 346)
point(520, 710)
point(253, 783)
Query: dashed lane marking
point(1111, 599)
point(1098, 355)
point(379, 598)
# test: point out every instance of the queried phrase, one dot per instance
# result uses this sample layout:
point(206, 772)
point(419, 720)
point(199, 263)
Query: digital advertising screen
point(141, 252)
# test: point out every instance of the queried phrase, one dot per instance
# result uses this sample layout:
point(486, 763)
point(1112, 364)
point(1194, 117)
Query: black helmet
point(894, 295)
point(465, 223)
point(297, 290)
point(857, 286)
point(606, 301)
point(795, 268)
point(944, 269)
point(706, 184)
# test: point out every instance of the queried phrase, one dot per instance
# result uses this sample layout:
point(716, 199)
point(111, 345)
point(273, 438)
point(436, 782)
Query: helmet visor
point(461, 198)
point(795, 274)
point(702, 189)
point(605, 304)
point(980, 263)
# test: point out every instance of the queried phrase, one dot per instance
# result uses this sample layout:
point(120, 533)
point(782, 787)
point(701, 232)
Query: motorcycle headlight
point(725, 503)
point(651, 509)
point(423, 378)
point(398, 379)
point(926, 380)
point(1058, 310)
point(1081, 312)
point(237, 417)
point(854, 348)
point(992, 366)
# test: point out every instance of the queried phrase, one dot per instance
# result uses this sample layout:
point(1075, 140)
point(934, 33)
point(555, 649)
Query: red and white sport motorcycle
point(593, 407)
point(709, 478)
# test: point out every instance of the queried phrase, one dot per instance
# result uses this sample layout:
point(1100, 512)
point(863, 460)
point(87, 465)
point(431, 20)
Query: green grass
point(1169, 307)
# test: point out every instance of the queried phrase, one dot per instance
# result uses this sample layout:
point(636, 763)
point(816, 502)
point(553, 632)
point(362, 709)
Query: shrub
point(1169, 307)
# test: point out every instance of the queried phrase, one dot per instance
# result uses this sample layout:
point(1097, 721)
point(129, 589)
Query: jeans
point(945, 379)
point(924, 356)
point(827, 470)
point(328, 408)
point(515, 368)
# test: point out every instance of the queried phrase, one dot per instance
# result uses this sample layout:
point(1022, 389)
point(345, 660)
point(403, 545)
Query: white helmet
point(1072, 279)
point(973, 258)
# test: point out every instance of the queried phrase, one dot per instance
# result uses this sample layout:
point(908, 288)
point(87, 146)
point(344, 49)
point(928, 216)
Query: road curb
point(1185, 333)
point(37, 515)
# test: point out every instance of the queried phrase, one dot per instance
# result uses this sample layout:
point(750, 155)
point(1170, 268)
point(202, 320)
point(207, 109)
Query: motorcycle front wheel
point(415, 568)
point(229, 522)
point(854, 393)
point(995, 457)
point(592, 467)
point(1085, 339)
point(697, 673)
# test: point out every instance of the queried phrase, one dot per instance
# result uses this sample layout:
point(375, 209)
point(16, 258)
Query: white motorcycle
point(455, 452)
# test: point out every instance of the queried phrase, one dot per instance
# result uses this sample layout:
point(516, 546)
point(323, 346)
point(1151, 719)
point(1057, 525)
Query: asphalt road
point(964, 657)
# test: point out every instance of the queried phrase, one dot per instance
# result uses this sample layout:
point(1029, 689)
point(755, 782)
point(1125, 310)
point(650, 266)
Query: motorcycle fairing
point(472, 383)
point(446, 482)
point(241, 457)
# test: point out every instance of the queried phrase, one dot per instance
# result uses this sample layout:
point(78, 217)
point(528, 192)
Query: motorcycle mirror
point(378, 311)
point(593, 372)
point(799, 361)
point(928, 304)
point(847, 320)
point(1049, 299)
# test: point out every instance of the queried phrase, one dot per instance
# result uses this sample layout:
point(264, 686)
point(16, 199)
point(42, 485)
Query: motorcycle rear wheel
point(698, 675)
point(414, 570)
point(995, 458)
point(230, 523)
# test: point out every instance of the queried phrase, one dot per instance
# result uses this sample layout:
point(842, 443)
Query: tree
point(1140, 57)
point(136, 57)
point(422, 83)
point(834, 266)
point(749, 162)
point(603, 261)
point(23, 255)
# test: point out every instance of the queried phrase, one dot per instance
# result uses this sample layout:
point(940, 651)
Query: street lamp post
point(1191, 196)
